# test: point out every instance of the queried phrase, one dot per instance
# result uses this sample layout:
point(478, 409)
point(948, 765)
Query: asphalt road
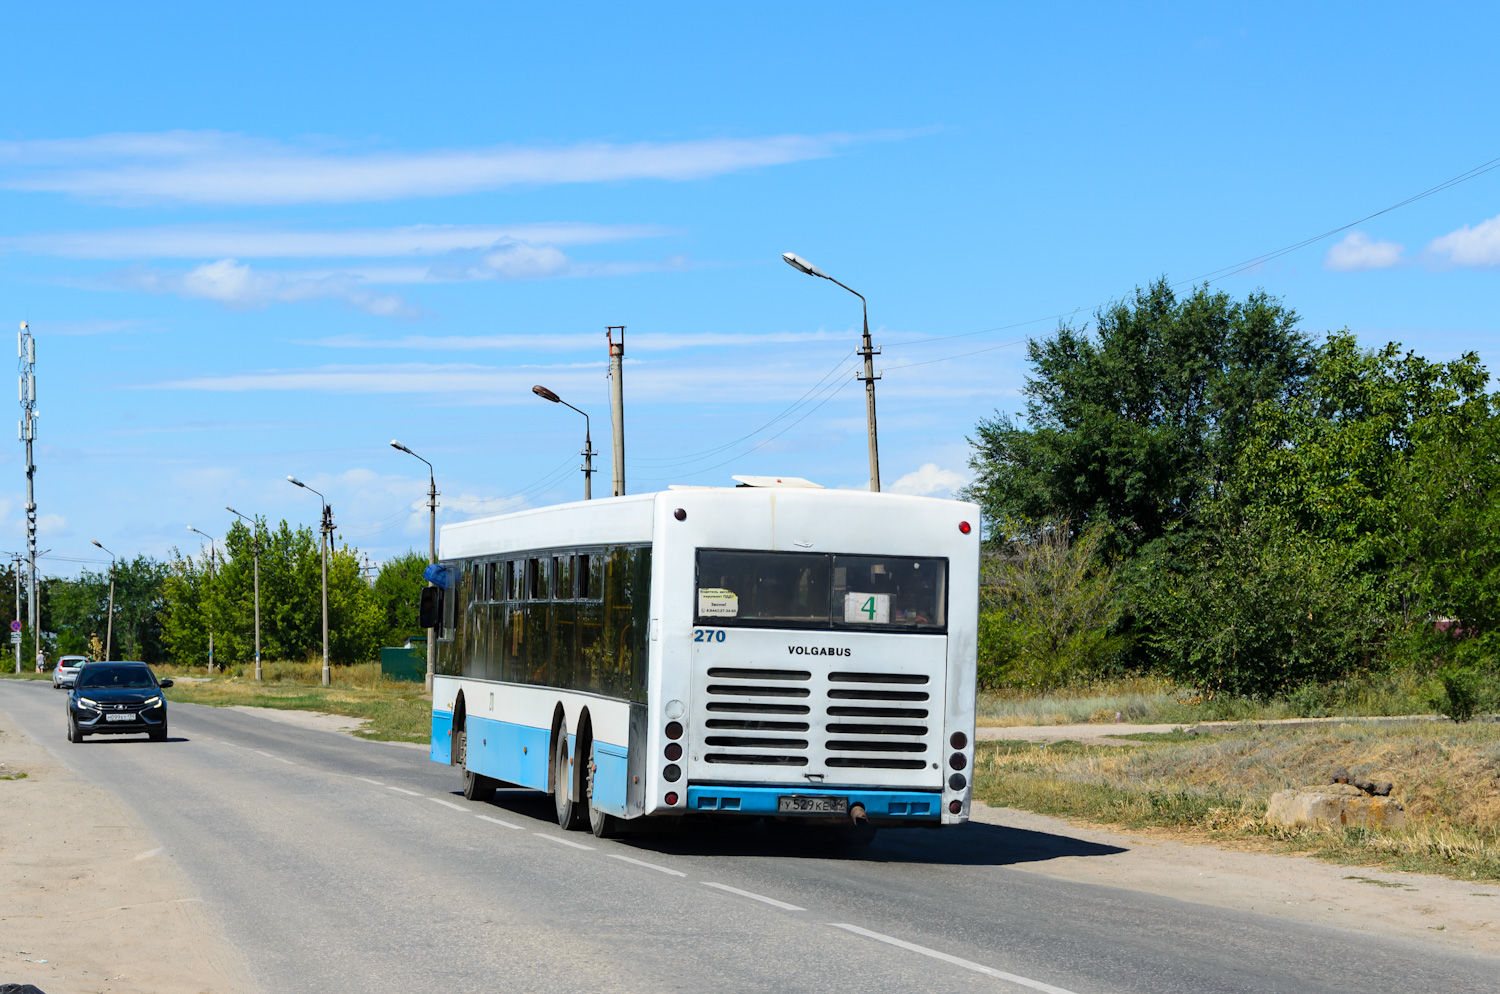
point(352, 866)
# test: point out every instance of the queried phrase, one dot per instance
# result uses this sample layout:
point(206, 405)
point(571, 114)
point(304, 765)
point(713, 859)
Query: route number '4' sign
point(867, 609)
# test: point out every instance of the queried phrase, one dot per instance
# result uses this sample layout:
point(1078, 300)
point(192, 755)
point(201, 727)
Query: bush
point(1460, 697)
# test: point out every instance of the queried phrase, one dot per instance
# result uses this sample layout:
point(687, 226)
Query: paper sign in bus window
point(867, 609)
point(716, 602)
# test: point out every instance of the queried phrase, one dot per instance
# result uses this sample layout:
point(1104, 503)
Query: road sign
point(15, 638)
point(15, 626)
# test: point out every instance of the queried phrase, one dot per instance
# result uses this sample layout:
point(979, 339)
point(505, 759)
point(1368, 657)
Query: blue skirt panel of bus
point(442, 737)
point(611, 776)
point(913, 804)
point(518, 754)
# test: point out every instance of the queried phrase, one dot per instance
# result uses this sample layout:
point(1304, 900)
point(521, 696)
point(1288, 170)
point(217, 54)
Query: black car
point(116, 698)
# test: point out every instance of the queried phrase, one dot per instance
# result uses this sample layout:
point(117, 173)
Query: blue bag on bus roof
point(438, 574)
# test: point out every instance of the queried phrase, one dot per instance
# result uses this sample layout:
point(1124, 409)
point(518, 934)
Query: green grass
point(1153, 700)
point(1447, 776)
point(14, 776)
point(396, 711)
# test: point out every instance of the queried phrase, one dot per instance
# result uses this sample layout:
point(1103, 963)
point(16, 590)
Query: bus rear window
point(815, 590)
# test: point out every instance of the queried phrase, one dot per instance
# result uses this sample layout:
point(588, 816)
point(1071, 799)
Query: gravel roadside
point(89, 901)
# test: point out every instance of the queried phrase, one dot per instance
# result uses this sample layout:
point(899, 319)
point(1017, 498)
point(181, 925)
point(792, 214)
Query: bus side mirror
point(430, 614)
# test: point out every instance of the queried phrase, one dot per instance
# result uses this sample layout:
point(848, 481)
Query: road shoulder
point(91, 901)
point(1454, 914)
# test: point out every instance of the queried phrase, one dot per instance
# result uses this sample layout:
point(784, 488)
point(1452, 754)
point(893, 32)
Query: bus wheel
point(569, 811)
point(477, 787)
point(604, 826)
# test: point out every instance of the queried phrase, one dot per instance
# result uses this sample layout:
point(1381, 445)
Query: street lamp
point(109, 629)
point(588, 444)
point(326, 528)
point(255, 551)
point(432, 496)
point(803, 266)
point(213, 556)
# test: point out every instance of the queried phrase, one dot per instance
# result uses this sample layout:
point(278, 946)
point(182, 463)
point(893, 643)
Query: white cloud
point(1358, 253)
point(1476, 246)
point(646, 342)
point(236, 285)
point(215, 168)
point(202, 241)
point(929, 481)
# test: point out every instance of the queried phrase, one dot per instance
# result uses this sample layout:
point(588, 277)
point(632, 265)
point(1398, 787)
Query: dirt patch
point(92, 904)
point(1458, 915)
point(320, 720)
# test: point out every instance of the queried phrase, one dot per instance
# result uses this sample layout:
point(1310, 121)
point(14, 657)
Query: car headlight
point(154, 702)
point(85, 702)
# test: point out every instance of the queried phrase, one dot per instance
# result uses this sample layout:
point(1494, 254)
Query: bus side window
point(592, 664)
point(564, 624)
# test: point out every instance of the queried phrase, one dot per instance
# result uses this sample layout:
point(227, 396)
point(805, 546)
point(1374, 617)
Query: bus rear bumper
point(884, 806)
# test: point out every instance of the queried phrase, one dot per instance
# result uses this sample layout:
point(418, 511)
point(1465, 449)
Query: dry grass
point(1446, 775)
point(397, 710)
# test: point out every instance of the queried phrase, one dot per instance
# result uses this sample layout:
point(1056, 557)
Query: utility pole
point(327, 537)
point(255, 551)
point(869, 378)
point(213, 556)
point(432, 506)
point(26, 430)
point(16, 561)
point(109, 631)
point(617, 401)
point(869, 352)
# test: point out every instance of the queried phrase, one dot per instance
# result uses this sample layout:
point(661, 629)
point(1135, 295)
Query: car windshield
point(116, 677)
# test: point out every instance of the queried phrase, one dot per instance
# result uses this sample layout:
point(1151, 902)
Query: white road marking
point(1035, 985)
point(286, 761)
point(565, 842)
point(149, 853)
point(265, 754)
point(497, 821)
point(754, 897)
point(403, 790)
point(649, 866)
point(368, 780)
point(448, 804)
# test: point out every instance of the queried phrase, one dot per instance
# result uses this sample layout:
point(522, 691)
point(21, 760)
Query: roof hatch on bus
point(776, 481)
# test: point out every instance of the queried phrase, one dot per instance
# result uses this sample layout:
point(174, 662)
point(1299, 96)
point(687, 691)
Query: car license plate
point(119, 717)
point(805, 804)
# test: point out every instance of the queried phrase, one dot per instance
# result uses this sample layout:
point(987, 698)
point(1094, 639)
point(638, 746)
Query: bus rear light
point(957, 782)
point(957, 761)
point(674, 729)
point(673, 751)
point(958, 740)
point(672, 773)
point(954, 807)
point(671, 797)
point(963, 526)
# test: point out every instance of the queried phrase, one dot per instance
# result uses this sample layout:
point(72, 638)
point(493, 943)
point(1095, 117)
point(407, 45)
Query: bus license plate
point(119, 717)
point(812, 805)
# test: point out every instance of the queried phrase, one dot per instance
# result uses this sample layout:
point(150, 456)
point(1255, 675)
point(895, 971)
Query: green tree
point(1138, 425)
point(398, 592)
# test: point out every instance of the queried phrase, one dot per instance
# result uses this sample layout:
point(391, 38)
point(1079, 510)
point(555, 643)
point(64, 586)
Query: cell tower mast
point(26, 430)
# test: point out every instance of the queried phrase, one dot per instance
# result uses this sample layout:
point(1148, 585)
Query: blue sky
point(266, 241)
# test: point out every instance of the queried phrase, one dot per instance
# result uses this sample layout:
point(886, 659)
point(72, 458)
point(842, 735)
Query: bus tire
point(603, 825)
point(570, 813)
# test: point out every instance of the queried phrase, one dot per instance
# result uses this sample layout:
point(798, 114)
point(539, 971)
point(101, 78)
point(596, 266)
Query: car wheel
point(159, 734)
point(75, 734)
point(569, 812)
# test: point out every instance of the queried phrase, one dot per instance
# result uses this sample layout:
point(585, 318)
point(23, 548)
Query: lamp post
point(432, 496)
point(109, 628)
point(254, 551)
point(326, 528)
point(803, 266)
point(213, 556)
point(588, 444)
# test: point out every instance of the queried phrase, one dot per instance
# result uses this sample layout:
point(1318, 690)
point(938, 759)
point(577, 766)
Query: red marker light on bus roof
point(963, 526)
point(680, 514)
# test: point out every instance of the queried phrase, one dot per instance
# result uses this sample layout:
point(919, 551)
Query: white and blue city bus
point(770, 650)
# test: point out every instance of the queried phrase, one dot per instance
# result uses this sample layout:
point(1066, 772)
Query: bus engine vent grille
point(896, 741)
point(742, 700)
